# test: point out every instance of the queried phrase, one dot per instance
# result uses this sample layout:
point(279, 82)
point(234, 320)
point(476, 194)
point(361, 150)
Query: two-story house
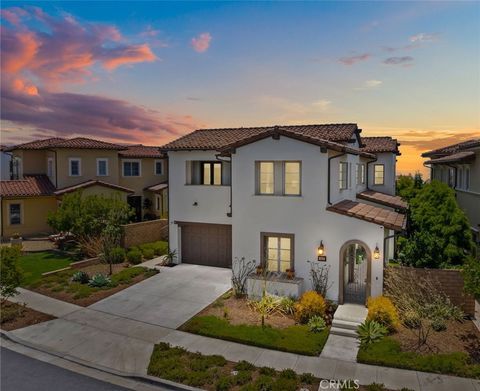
point(44, 170)
point(458, 165)
point(285, 195)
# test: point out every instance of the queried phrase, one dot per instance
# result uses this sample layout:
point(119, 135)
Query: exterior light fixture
point(321, 252)
point(376, 253)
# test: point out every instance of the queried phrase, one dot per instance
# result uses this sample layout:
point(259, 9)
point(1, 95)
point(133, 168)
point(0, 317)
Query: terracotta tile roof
point(90, 183)
point(456, 157)
point(219, 139)
point(449, 149)
point(158, 187)
point(370, 213)
point(30, 186)
point(74, 143)
point(142, 151)
point(383, 199)
point(380, 144)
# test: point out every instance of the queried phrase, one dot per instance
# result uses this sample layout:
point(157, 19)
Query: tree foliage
point(439, 235)
point(89, 216)
point(471, 276)
point(408, 186)
point(11, 275)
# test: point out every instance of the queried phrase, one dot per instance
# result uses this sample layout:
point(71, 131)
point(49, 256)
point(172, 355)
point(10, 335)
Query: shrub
point(81, 277)
point(316, 324)
point(267, 371)
point(307, 378)
point(287, 305)
point(148, 253)
point(134, 256)
point(310, 304)
point(382, 310)
point(267, 305)
point(99, 281)
point(288, 374)
point(284, 384)
point(223, 383)
point(411, 319)
point(375, 387)
point(10, 276)
point(243, 377)
point(244, 366)
point(370, 332)
point(117, 255)
point(160, 247)
point(439, 324)
point(264, 383)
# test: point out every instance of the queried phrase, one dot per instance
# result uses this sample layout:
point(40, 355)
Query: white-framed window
point(343, 175)
point(102, 167)
point(280, 177)
point(378, 174)
point(74, 166)
point(50, 167)
point(292, 175)
point(131, 168)
point(277, 251)
point(15, 214)
point(211, 173)
point(467, 178)
point(158, 167)
point(266, 177)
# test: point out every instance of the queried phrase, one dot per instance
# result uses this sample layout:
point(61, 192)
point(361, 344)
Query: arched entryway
point(355, 272)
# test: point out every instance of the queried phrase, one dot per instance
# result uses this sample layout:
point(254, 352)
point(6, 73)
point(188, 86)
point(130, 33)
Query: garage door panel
point(207, 244)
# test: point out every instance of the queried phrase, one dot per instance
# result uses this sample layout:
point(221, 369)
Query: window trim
point(263, 248)
point(132, 161)
point(277, 191)
point(212, 176)
point(374, 176)
point(74, 159)
point(283, 178)
point(258, 178)
point(102, 159)
point(50, 167)
point(9, 221)
point(155, 166)
point(341, 186)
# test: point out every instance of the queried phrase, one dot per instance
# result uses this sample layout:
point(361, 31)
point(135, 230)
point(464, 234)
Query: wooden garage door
point(207, 244)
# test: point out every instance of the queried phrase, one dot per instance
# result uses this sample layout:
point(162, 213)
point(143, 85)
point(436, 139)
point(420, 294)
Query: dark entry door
point(355, 268)
point(136, 203)
point(207, 244)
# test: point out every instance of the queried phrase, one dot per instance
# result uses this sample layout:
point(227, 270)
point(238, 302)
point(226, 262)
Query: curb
point(153, 380)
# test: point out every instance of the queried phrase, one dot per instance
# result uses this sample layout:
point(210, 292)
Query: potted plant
point(259, 270)
point(16, 239)
point(290, 274)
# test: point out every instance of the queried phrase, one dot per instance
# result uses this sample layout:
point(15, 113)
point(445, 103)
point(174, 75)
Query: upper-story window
point(378, 174)
point(102, 167)
point(74, 166)
point(131, 168)
point(343, 175)
point(158, 167)
point(278, 178)
point(211, 173)
point(360, 174)
point(50, 167)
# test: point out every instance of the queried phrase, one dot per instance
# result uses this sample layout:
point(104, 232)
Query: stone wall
point(450, 282)
point(144, 232)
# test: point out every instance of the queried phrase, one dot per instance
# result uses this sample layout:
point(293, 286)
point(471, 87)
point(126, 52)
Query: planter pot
point(290, 274)
point(259, 270)
point(16, 241)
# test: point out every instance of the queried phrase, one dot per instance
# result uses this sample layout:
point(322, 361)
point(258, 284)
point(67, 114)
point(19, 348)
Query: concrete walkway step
point(342, 331)
point(345, 324)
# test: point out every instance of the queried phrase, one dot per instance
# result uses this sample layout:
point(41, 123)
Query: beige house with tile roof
point(92, 166)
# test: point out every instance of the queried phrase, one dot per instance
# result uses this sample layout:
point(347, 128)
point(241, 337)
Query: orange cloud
point(20, 86)
point(130, 55)
point(18, 50)
point(201, 43)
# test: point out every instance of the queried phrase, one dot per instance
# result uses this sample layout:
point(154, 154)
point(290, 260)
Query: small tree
point(241, 269)
point(10, 273)
point(111, 236)
point(319, 277)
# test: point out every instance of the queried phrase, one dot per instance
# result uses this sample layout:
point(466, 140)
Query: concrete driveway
point(171, 297)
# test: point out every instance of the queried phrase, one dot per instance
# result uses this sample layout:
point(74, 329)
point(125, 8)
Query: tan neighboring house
point(45, 170)
point(458, 165)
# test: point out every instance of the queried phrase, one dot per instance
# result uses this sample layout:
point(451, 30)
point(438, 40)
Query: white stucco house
point(282, 195)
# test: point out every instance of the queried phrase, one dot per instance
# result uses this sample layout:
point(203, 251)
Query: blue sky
point(405, 69)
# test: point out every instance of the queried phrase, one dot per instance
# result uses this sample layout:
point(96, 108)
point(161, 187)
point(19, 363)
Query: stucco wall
point(144, 232)
point(388, 159)
point(32, 161)
point(147, 178)
point(104, 192)
point(5, 166)
point(470, 203)
point(34, 216)
point(303, 216)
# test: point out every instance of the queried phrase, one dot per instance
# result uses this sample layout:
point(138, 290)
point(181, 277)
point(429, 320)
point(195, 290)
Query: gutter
point(329, 173)
point(231, 182)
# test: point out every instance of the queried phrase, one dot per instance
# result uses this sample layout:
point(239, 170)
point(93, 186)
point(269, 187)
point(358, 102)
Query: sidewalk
point(124, 346)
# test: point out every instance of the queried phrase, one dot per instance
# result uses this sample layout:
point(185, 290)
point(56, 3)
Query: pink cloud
point(201, 43)
point(13, 15)
point(354, 59)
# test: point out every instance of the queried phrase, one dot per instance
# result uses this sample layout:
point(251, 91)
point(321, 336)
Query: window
point(378, 174)
point(460, 178)
point(15, 214)
point(362, 174)
point(291, 184)
point(131, 168)
point(158, 199)
point(211, 173)
point(75, 166)
point(158, 167)
point(50, 167)
point(467, 178)
point(102, 167)
point(343, 175)
point(266, 178)
point(277, 251)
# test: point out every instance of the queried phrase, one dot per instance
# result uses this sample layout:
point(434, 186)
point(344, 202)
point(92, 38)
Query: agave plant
point(370, 332)
point(316, 324)
point(81, 277)
point(99, 280)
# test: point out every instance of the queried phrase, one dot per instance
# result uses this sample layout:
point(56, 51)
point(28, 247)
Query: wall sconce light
point(376, 253)
point(321, 252)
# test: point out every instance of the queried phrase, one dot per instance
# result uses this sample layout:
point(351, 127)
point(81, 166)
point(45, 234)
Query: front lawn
point(388, 352)
point(34, 264)
point(294, 339)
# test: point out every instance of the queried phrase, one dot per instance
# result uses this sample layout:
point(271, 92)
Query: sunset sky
point(147, 72)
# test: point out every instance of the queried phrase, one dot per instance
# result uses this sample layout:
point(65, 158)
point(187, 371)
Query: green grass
point(387, 352)
point(34, 264)
point(294, 339)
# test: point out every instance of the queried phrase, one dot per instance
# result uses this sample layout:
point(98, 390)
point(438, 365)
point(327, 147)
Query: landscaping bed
point(60, 285)
point(15, 316)
point(233, 319)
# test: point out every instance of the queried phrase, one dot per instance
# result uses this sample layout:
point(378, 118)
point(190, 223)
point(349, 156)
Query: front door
point(136, 203)
point(355, 273)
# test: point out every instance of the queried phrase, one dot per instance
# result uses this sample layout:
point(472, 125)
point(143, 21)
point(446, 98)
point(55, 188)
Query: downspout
point(231, 197)
point(366, 174)
point(329, 174)
point(385, 245)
